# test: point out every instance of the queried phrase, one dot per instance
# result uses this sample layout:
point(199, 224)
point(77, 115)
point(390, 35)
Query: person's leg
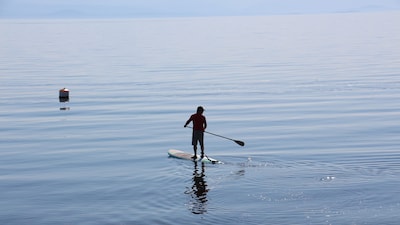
point(201, 140)
point(194, 143)
point(195, 151)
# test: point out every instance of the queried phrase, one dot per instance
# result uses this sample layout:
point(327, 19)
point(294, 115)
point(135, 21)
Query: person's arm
point(188, 121)
point(205, 123)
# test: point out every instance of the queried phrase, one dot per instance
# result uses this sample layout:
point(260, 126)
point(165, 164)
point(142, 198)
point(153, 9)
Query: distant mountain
point(67, 13)
point(177, 8)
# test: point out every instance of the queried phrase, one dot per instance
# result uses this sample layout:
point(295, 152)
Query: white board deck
point(184, 155)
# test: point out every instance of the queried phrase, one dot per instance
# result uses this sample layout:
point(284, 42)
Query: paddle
point(241, 143)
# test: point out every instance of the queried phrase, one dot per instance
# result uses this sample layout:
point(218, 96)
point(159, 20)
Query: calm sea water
point(315, 99)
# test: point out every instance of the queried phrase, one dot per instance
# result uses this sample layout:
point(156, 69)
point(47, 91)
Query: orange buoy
point(64, 93)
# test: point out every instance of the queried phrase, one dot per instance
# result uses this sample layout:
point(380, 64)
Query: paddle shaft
point(241, 143)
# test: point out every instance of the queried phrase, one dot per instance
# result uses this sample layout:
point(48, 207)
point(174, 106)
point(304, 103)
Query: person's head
point(200, 109)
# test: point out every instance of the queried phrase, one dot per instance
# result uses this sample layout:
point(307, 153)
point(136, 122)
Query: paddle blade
point(241, 143)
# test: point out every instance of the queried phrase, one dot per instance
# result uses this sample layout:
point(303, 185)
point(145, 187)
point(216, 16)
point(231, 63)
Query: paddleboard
point(184, 155)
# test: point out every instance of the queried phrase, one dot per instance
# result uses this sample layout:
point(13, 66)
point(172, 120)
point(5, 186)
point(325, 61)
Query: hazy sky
point(157, 8)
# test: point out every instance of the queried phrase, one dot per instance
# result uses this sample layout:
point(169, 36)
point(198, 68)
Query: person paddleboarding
point(199, 126)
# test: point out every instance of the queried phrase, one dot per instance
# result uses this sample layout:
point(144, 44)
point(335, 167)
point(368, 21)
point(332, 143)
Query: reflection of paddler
point(199, 190)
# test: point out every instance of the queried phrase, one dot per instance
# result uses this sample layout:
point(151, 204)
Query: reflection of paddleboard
point(184, 155)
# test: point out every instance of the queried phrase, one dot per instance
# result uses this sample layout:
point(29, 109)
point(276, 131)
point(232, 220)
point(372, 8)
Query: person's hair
point(200, 109)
